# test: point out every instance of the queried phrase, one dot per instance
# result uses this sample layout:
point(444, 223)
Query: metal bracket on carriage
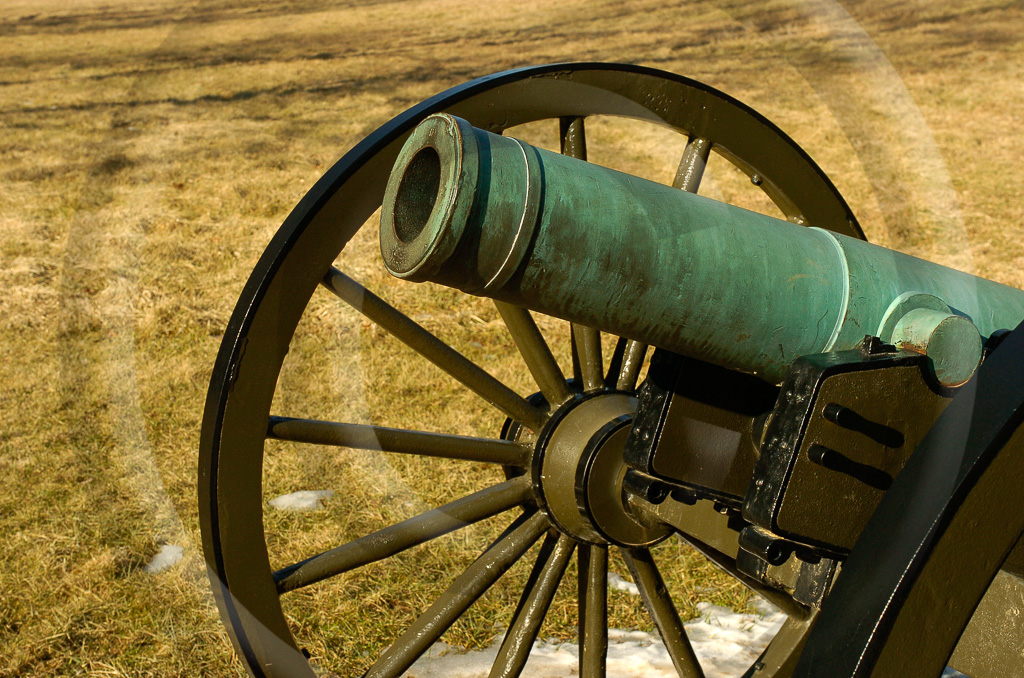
point(808, 460)
point(778, 482)
point(794, 584)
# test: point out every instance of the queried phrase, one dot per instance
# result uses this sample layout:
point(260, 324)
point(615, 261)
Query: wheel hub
point(578, 472)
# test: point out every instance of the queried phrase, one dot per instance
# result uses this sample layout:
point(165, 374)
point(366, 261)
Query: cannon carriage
point(831, 423)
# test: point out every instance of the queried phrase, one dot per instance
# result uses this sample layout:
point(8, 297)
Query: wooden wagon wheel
point(237, 418)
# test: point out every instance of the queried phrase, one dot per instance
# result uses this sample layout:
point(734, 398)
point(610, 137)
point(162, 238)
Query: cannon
point(833, 424)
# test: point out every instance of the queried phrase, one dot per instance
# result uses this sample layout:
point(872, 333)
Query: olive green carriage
point(813, 420)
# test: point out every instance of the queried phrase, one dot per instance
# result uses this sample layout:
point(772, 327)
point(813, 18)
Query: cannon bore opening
point(417, 194)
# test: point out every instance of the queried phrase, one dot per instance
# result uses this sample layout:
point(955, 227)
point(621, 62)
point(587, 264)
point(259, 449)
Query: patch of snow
point(727, 643)
point(620, 584)
point(168, 556)
point(303, 500)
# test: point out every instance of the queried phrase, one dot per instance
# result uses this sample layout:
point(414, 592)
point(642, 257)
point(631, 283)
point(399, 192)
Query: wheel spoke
point(593, 613)
point(624, 368)
point(691, 167)
point(536, 353)
point(663, 611)
point(363, 437)
point(573, 137)
point(433, 349)
point(587, 342)
point(417, 530)
point(453, 603)
point(632, 361)
point(577, 372)
point(533, 606)
point(611, 378)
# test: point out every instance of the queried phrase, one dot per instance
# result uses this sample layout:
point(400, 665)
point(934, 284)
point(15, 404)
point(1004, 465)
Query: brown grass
point(150, 150)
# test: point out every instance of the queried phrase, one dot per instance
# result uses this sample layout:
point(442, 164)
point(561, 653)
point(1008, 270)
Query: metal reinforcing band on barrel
point(845, 301)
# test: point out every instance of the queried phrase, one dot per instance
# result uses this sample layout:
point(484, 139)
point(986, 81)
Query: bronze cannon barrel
point(496, 217)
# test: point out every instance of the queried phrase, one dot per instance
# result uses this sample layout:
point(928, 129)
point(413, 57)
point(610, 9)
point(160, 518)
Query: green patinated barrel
point(496, 217)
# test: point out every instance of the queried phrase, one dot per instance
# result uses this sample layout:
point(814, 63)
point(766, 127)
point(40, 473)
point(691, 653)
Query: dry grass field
point(149, 151)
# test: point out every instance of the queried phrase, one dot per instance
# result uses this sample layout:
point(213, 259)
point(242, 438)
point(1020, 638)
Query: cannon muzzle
point(496, 217)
